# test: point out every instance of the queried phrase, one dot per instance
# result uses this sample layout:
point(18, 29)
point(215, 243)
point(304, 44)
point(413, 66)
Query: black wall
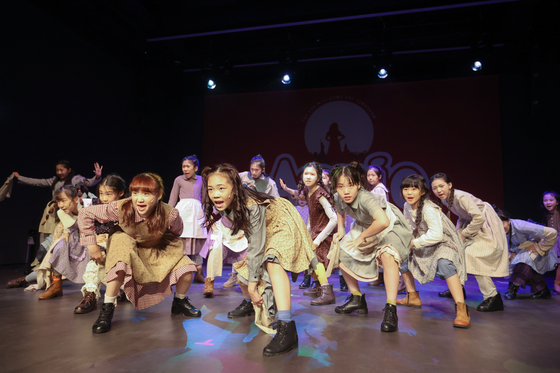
point(64, 97)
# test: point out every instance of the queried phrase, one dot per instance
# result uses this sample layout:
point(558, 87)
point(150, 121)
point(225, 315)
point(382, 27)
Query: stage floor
point(46, 336)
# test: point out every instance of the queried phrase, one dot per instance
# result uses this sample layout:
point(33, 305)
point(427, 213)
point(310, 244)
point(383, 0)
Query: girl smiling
point(436, 250)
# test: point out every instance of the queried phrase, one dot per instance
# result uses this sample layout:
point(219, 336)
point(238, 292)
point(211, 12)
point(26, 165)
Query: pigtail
point(419, 215)
point(451, 198)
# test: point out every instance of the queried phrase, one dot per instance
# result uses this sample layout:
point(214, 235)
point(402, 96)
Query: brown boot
point(326, 296)
point(88, 303)
point(54, 291)
point(208, 288)
point(199, 276)
point(379, 281)
point(463, 320)
point(314, 291)
point(411, 300)
point(17, 283)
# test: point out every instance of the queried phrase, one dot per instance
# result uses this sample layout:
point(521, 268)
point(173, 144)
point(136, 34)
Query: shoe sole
point(322, 304)
point(99, 331)
point(175, 312)
point(361, 312)
point(270, 354)
point(408, 305)
point(501, 309)
point(81, 312)
point(237, 317)
point(389, 331)
point(58, 295)
point(461, 326)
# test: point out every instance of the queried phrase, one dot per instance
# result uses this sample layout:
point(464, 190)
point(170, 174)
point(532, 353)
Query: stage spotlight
point(476, 66)
point(286, 79)
point(211, 84)
point(382, 74)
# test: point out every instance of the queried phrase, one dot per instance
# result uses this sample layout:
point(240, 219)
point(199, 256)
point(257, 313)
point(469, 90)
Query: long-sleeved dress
point(363, 263)
point(263, 184)
point(190, 195)
point(437, 239)
point(524, 234)
point(152, 262)
point(277, 234)
point(553, 221)
point(322, 222)
point(486, 250)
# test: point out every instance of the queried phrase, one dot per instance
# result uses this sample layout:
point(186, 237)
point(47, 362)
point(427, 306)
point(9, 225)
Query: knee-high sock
point(93, 282)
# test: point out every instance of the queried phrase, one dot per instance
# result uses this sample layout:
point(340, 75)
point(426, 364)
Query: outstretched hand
point(97, 170)
point(16, 174)
point(283, 185)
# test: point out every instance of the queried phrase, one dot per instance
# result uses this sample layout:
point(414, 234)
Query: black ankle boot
point(447, 294)
point(306, 283)
point(285, 340)
point(511, 292)
point(185, 307)
point(103, 323)
point(390, 319)
point(353, 303)
point(244, 309)
point(543, 294)
point(491, 304)
point(343, 285)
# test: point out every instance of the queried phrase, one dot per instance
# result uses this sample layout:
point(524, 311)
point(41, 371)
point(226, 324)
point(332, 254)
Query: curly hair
point(241, 195)
point(447, 179)
point(417, 181)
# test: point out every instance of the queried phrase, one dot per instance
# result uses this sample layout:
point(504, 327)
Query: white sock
point(180, 296)
point(109, 299)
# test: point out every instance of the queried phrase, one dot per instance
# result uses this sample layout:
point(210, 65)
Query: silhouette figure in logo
point(334, 136)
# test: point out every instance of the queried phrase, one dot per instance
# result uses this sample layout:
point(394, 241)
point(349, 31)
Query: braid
point(419, 215)
point(451, 198)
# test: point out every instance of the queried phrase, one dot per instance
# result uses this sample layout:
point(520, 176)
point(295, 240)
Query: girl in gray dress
point(380, 236)
point(436, 250)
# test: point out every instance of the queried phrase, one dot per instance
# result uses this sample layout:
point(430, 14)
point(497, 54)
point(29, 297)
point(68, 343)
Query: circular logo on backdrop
point(339, 131)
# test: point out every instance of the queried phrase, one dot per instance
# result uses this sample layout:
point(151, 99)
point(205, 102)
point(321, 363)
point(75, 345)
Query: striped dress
point(486, 248)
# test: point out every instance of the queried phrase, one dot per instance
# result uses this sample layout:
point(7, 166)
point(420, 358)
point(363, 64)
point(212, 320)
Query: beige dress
point(486, 248)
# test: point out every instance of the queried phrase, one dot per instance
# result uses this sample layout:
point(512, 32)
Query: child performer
point(188, 188)
point(483, 234)
point(64, 176)
point(550, 202)
point(66, 257)
point(303, 210)
point(380, 236)
point(278, 241)
point(258, 179)
point(375, 178)
point(322, 223)
point(145, 253)
point(327, 182)
point(531, 245)
point(436, 250)
point(111, 188)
